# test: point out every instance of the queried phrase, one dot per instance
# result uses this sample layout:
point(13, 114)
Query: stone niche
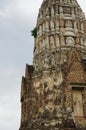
point(68, 24)
point(67, 10)
point(70, 41)
point(79, 103)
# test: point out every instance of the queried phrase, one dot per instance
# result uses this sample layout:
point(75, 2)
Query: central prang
point(53, 91)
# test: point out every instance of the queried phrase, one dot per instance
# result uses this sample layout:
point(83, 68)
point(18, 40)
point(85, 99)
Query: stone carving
point(68, 24)
point(70, 41)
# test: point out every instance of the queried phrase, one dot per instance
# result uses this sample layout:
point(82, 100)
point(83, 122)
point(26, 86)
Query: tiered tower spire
point(61, 25)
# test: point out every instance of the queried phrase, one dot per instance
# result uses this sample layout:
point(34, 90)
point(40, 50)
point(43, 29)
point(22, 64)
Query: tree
point(34, 32)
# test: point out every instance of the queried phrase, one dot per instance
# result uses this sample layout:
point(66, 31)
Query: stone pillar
point(62, 40)
point(40, 15)
point(57, 25)
point(52, 43)
point(75, 24)
point(79, 25)
point(40, 30)
point(40, 45)
point(84, 102)
point(61, 11)
point(43, 28)
point(61, 1)
point(76, 12)
point(52, 11)
point(52, 25)
point(73, 13)
point(82, 27)
point(47, 12)
point(61, 23)
point(56, 9)
point(43, 43)
point(78, 40)
point(47, 42)
point(47, 26)
point(75, 27)
point(82, 42)
point(57, 41)
point(46, 62)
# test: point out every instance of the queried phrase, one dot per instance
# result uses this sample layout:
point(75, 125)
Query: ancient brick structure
point(53, 91)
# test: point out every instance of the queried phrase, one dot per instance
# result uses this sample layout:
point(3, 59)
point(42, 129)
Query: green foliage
point(34, 32)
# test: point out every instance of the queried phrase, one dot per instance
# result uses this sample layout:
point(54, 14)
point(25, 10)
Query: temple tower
point(53, 91)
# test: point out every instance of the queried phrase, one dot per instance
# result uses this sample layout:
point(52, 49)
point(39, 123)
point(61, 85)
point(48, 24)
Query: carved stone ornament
point(68, 24)
point(70, 41)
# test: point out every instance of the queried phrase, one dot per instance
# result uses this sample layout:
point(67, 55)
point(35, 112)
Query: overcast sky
point(17, 19)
